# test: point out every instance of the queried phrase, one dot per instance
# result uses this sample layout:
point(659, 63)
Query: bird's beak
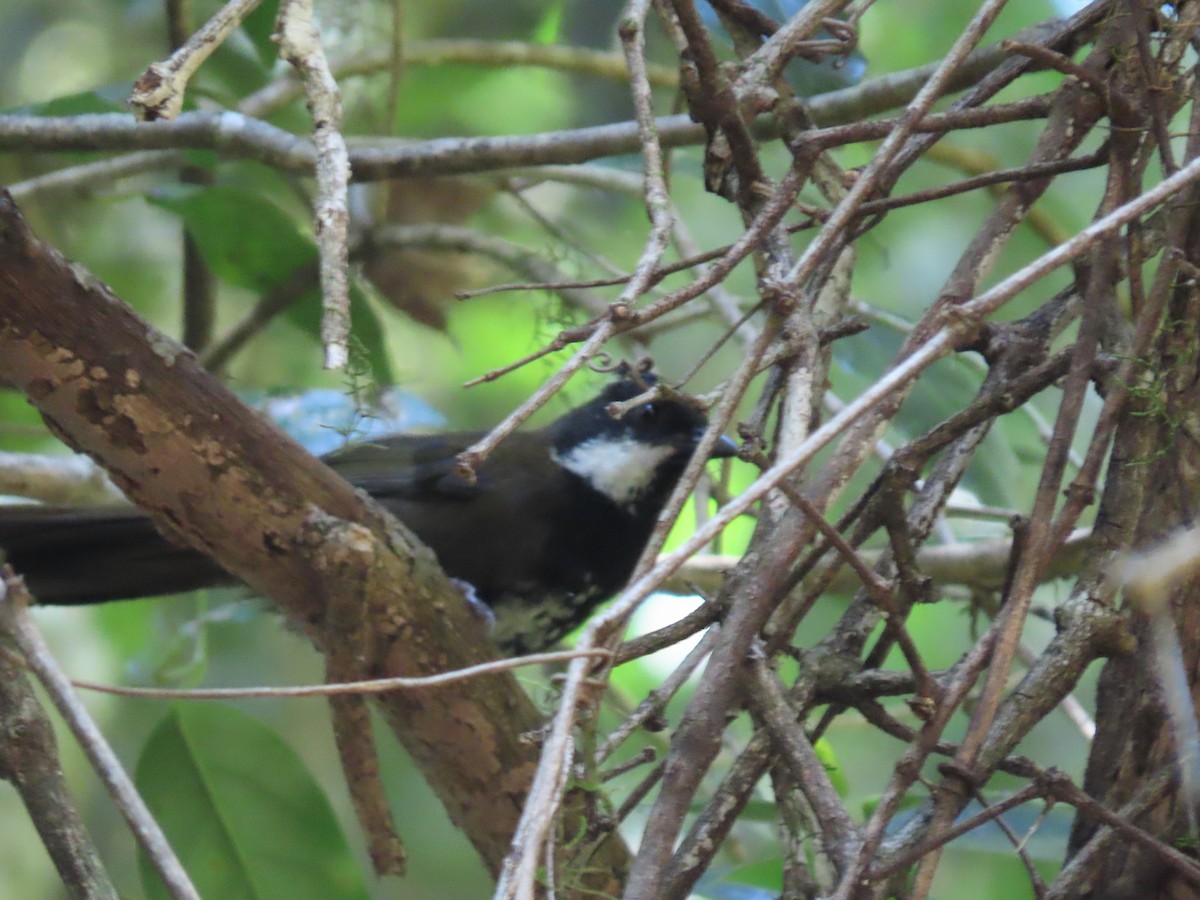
point(723, 448)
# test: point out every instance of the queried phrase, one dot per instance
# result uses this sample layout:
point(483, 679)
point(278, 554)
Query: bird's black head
point(633, 460)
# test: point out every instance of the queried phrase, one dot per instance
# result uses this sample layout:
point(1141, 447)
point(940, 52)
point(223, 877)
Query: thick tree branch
point(215, 474)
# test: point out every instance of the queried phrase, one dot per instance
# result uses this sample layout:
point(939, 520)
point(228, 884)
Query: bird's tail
point(92, 554)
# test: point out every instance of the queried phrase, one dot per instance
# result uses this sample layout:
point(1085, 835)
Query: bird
point(551, 526)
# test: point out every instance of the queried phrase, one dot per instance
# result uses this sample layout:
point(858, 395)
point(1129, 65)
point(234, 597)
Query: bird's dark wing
point(407, 466)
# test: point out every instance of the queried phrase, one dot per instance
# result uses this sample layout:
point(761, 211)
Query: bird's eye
point(647, 412)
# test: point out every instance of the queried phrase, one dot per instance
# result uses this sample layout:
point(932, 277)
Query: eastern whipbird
point(552, 525)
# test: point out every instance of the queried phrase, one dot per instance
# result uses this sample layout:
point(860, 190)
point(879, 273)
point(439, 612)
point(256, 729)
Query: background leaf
point(242, 812)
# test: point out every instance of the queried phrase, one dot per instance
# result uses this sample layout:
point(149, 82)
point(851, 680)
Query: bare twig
point(56, 479)
point(158, 93)
point(372, 686)
point(1120, 825)
point(835, 226)
point(840, 835)
point(938, 345)
point(15, 621)
point(657, 699)
point(29, 760)
point(474, 455)
point(235, 134)
point(519, 875)
point(300, 45)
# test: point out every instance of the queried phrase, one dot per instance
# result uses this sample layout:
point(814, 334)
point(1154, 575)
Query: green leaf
point(767, 874)
point(837, 775)
point(245, 238)
point(244, 815)
point(260, 25)
point(549, 29)
point(102, 100)
point(752, 881)
point(758, 811)
point(250, 242)
point(871, 803)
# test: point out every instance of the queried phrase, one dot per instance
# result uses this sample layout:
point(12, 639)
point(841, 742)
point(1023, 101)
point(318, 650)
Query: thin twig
point(518, 876)
point(29, 761)
point(158, 93)
point(300, 44)
point(56, 479)
point(371, 686)
point(471, 458)
point(840, 836)
point(15, 620)
point(657, 699)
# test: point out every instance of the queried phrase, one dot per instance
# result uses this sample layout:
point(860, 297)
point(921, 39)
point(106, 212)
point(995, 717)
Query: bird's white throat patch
point(620, 468)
